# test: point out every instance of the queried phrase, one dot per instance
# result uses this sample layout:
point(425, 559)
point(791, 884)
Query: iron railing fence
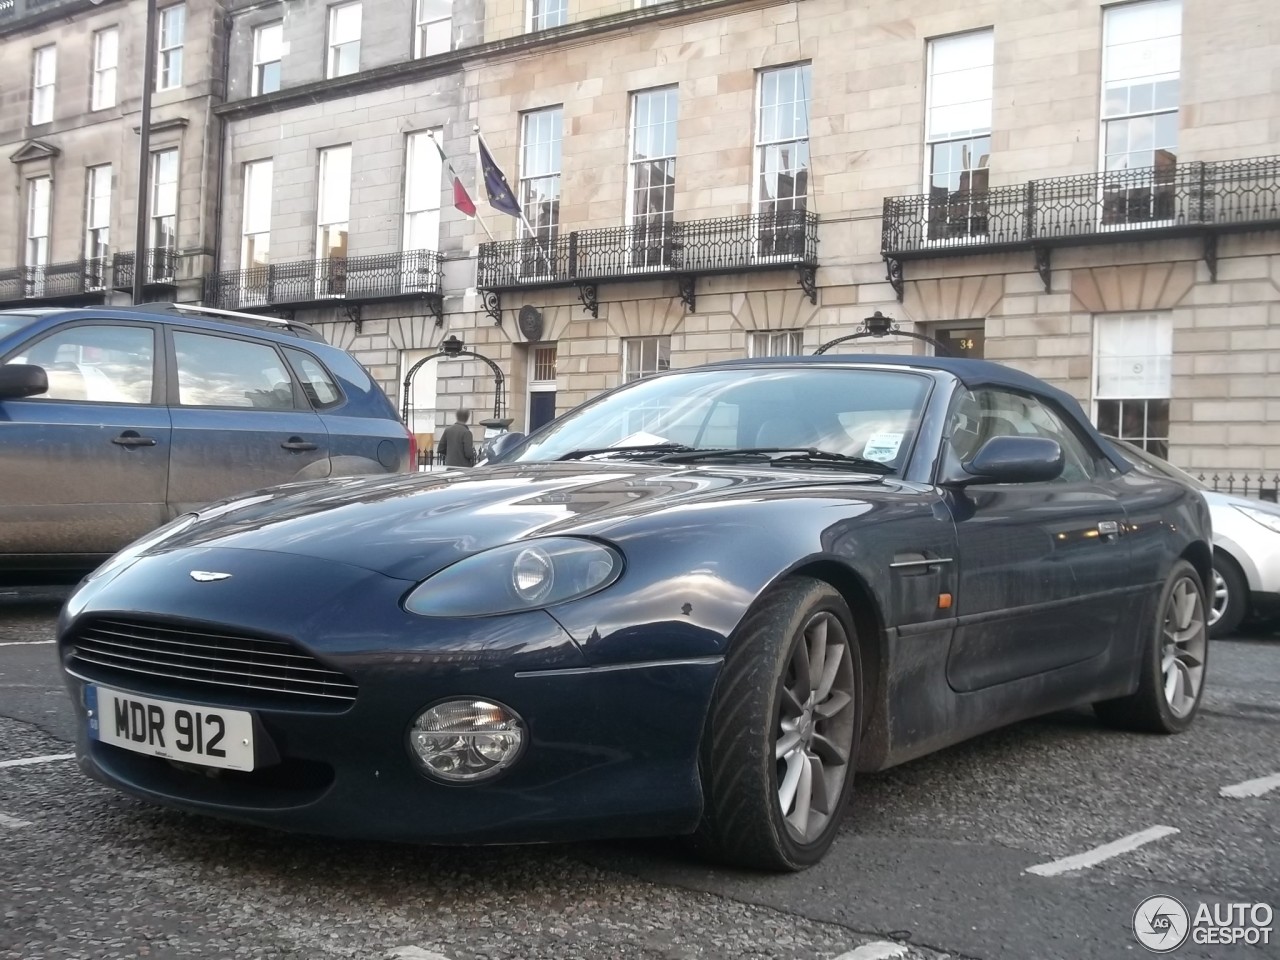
point(161, 267)
point(53, 281)
point(1168, 198)
point(376, 277)
point(654, 246)
point(1259, 486)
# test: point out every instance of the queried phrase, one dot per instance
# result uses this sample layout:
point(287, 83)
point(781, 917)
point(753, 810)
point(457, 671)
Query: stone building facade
point(69, 118)
point(1088, 191)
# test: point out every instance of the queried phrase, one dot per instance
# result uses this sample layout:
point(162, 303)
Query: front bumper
point(612, 750)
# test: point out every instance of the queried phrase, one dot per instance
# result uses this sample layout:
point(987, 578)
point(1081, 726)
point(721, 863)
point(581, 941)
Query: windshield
point(1142, 458)
point(9, 322)
point(872, 414)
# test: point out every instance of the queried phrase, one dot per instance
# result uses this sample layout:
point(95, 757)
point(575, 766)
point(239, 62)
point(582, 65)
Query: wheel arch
point(1200, 555)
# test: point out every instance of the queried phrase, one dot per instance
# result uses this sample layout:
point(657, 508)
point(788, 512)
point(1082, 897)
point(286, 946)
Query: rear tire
point(783, 732)
point(1228, 596)
point(1175, 649)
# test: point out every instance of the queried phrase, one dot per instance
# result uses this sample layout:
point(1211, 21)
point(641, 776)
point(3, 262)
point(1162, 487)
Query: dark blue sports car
point(695, 605)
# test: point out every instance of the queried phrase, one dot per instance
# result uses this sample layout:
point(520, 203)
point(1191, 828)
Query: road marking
point(878, 950)
point(31, 761)
point(1091, 858)
point(1252, 788)
point(13, 822)
point(23, 643)
point(416, 953)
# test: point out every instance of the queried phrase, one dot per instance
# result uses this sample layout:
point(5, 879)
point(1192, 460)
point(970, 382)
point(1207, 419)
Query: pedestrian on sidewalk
point(456, 447)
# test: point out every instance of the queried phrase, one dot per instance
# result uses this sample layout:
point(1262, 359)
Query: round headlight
point(532, 575)
point(462, 741)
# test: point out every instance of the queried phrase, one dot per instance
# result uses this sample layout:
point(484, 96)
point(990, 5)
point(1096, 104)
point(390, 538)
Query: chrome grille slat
point(303, 663)
point(238, 686)
point(212, 659)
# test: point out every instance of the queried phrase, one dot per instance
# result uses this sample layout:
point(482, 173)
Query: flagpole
point(533, 234)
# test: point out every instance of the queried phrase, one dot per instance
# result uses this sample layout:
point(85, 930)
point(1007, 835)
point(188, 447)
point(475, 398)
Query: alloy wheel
point(816, 716)
point(1221, 597)
point(1183, 645)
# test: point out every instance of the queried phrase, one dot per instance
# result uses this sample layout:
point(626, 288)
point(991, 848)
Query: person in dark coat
point(456, 448)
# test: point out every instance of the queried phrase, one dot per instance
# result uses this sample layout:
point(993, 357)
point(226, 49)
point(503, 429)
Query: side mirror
point(1013, 460)
point(503, 445)
point(22, 380)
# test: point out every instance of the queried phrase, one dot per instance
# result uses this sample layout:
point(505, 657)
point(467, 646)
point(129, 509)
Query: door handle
point(297, 443)
point(131, 438)
point(1108, 529)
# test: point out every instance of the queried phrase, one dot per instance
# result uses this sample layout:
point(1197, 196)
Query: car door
point(1043, 567)
point(240, 420)
point(85, 464)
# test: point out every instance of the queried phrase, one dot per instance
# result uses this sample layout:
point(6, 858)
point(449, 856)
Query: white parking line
point(31, 761)
point(1091, 858)
point(23, 643)
point(877, 950)
point(13, 822)
point(1251, 788)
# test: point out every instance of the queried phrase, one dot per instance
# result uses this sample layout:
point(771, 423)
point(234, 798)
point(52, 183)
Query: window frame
point(421, 153)
point(771, 339)
point(256, 85)
point(1162, 325)
point(42, 239)
point(169, 55)
point(661, 344)
point(539, 12)
point(422, 32)
point(97, 237)
point(99, 73)
point(156, 184)
point(249, 238)
point(333, 46)
point(777, 238)
point(545, 232)
point(44, 84)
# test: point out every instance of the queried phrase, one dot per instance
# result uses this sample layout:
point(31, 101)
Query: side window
point(216, 371)
point(96, 363)
point(978, 415)
point(317, 384)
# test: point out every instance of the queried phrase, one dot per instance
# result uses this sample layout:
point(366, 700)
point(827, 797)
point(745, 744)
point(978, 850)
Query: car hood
point(410, 526)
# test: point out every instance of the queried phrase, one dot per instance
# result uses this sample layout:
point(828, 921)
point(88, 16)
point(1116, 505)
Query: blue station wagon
point(116, 420)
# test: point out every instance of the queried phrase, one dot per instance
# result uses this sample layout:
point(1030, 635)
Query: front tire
point(1228, 596)
point(1176, 647)
point(783, 732)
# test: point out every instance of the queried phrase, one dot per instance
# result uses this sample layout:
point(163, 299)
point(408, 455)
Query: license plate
point(211, 736)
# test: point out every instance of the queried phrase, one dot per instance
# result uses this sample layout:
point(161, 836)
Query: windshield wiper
point(788, 455)
point(624, 451)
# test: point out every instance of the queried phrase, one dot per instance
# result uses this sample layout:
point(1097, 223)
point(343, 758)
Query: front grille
point(231, 663)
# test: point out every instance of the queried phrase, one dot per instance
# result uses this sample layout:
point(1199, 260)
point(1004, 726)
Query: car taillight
point(413, 450)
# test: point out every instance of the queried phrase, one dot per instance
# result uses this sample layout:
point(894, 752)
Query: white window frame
point(545, 14)
point(169, 61)
point(638, 349)
point(1150, 367)
point(650, 244)
point(44, 81)
point(540, 167)
point(426, 28)
point(775, 343)
point(335, 46)
point(97, 220)
point(768, 137)
point(333, 213)
point(423, 186)
point(255, 225)
point(39, 218)
point(164, 206)
point(106, 64)
point(1112, 73)
point(260, 35)
point(979, 45)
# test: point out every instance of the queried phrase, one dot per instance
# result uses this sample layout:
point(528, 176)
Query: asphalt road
point(932, 861)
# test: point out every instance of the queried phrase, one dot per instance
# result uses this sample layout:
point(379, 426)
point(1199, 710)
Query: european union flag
point(500, 196)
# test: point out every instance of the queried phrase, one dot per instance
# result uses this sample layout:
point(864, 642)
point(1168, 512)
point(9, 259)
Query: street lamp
point(878, 325)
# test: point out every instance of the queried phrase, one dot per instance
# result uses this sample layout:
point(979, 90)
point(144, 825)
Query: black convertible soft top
point(972, 373)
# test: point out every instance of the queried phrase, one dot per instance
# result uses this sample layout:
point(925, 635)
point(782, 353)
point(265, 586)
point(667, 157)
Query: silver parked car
point(1246, 548)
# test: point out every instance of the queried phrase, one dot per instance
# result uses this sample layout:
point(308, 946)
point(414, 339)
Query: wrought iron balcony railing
point(68, 280)
point(683, 250)
point(1168, 200)
point(161, 268)
point(343, 280)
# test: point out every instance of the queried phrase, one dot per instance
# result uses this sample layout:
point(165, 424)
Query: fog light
point(466, 740)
